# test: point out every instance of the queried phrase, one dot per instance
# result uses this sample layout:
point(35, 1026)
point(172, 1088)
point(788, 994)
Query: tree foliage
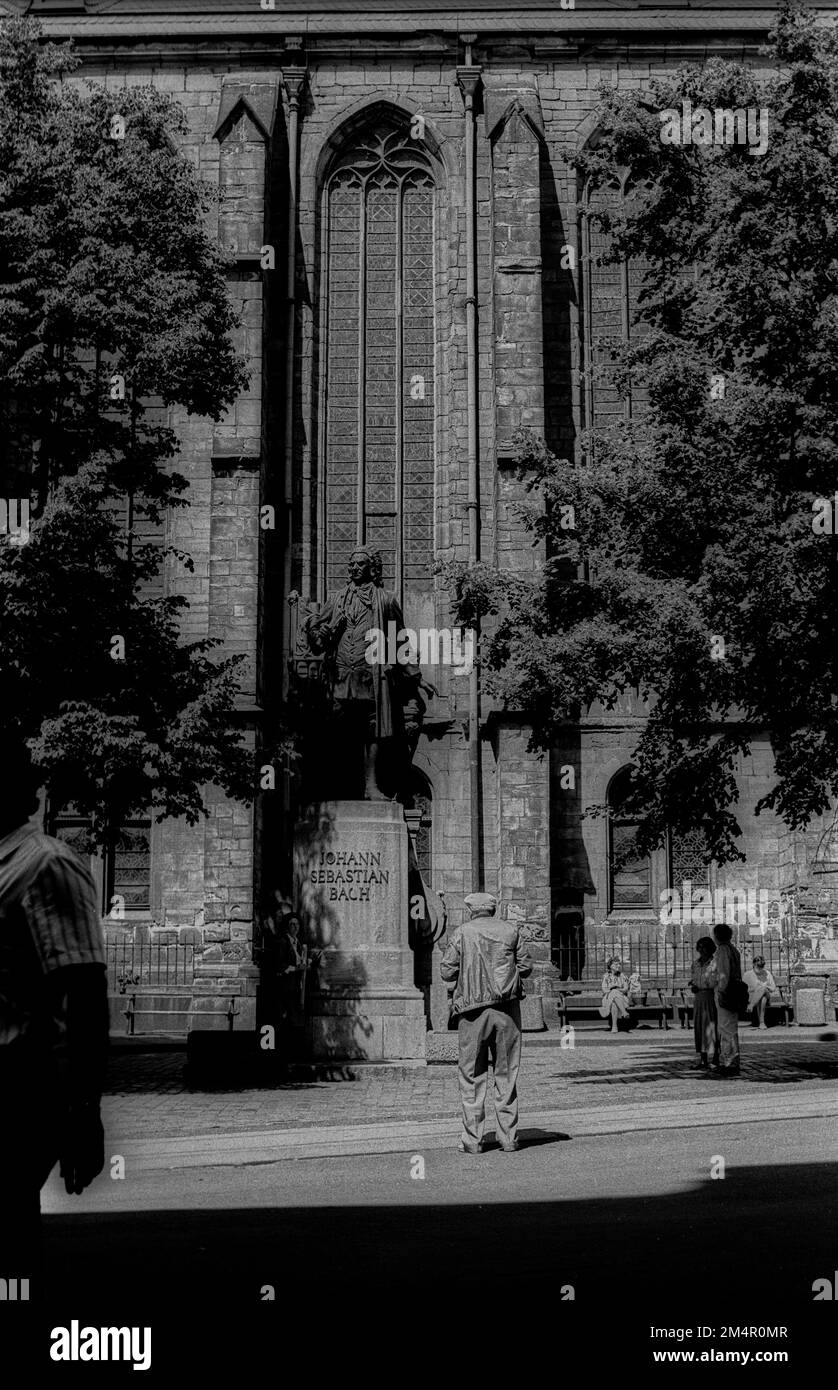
point(125, 715)
point(107, 272)
point(108, 275)
point(694, 573)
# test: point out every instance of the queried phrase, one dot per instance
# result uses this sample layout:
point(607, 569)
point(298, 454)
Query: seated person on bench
point(615, 993)
point(761, 986)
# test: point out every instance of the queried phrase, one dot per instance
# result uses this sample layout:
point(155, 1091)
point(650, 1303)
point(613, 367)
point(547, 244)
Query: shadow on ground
point(527, 1139)
point(153, 1074)
point(630, 1261)
point(770, 1064)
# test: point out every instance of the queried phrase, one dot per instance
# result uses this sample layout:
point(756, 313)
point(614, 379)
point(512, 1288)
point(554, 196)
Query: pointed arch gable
point(525, 107)
point(586, 131)
point(235, 103)
point(366, 112)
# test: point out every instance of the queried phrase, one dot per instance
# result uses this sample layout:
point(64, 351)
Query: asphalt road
point(544, 1265)
point(612, 1217)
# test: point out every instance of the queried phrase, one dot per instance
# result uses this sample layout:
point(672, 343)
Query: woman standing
point(615, 992)
point(703, 985)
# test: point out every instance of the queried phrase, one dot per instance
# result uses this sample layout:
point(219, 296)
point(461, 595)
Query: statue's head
point(364, 565)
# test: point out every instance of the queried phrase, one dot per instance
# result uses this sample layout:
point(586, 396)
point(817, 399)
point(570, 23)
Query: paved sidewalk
point(630, 1078)
point(273, 1146)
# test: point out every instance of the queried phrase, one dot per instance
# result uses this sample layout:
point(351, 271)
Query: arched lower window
point(629, 874)
point(610, 298)
point(379, 368)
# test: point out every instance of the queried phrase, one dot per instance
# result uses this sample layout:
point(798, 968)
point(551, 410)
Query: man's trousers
point(492, 1035)
point(728, 1036)
point(28, 1153)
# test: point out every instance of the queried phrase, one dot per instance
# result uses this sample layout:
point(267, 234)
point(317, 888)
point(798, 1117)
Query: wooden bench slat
point(589, 1006)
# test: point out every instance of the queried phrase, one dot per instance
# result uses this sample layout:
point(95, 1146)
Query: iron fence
point(135, 963)
point(660, 963)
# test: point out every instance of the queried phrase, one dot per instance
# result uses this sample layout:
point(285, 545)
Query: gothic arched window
point(379, 358)
point(610, 299)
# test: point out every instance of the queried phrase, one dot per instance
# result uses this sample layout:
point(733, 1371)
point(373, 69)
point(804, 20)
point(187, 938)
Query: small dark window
point(128, 867)
point(122, 869)
point(629, 874)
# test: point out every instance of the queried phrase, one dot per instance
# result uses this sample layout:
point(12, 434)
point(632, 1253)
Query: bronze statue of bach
point(377, 702)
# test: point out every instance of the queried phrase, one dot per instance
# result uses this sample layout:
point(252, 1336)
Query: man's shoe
point(470, 1148)
point(510, 1148)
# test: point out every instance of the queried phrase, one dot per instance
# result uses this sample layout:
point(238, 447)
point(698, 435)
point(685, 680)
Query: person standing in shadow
point(486, 960)
point(53, 1020)
point(569, 936)
point(731, 996)
point(703, 985)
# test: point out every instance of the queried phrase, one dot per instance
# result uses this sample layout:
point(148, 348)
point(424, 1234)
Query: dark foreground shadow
point(646, 1253)
point(230, 1292)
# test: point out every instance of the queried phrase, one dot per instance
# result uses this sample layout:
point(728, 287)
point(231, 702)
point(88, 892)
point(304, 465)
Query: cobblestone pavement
point(148, 1095)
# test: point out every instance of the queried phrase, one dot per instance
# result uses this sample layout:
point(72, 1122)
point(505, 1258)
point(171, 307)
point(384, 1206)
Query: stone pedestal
point(224, 998)
point(810, 999)
point(352, 896)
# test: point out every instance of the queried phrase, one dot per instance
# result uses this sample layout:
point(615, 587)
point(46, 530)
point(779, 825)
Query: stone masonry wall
point(534, 111)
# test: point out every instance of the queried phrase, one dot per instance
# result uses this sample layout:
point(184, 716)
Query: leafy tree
point(695, 572)
point(108, 280)
point(125, 714)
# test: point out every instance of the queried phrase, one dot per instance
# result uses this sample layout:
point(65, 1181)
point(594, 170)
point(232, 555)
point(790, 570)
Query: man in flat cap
point(486, 961)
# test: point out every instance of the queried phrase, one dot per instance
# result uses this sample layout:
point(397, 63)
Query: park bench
point(682, 1005)
point(577, 1005)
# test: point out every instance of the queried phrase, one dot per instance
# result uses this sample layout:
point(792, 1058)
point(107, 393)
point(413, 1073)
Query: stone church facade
point(395, 207)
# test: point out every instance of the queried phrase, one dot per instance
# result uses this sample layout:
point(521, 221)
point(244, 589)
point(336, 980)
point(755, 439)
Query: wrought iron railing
point(660, 964)
point(135, 963)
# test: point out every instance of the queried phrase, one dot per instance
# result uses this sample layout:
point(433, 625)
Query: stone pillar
point(351, 869)
point(516, 131)
point(523, 804)
point(515, 128)
point(225, 978)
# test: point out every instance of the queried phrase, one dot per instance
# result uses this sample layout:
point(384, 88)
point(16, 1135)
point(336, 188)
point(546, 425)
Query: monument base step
point(358, 1032)
point(216, 1059)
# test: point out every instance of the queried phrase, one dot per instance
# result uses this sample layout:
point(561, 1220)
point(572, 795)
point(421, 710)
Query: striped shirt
point(49, 919)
